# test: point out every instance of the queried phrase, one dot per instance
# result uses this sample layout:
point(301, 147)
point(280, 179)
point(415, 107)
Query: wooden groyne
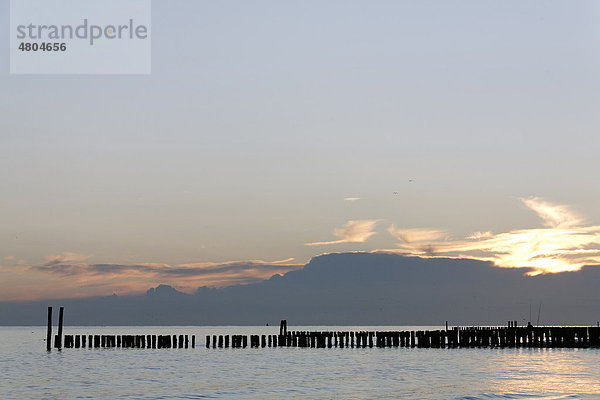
point(458, 337)
point(500, 337)
point(511, 336)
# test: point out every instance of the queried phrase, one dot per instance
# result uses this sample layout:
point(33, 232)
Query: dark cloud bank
point(349, 288)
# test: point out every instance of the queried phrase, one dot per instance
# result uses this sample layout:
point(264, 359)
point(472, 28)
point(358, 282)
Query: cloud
point(553, 215)
point(287, 260)
point(416, 235)
point(352, 232)
point(65, 257)
point(351, 199)
point(252, 268)
point(419, 239)
point(480, 235)
point(563, 244)
point(69, 277)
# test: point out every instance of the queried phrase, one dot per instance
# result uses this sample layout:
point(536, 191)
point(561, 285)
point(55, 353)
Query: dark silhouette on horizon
point(349, 289)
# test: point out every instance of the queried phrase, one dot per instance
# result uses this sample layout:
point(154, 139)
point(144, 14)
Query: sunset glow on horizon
point(564, 244)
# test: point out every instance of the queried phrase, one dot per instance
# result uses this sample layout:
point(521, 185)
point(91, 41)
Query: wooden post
point(283, 327)
point(193, 341)
point(60, 327)
point(207, 341)
point(49, 332)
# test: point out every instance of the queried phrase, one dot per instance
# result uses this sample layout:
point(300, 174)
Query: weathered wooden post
point(49, 332)
point(207, 341)
point(283, 327)
point(60, 327)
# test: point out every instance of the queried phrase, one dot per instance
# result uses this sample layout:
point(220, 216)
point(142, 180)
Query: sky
point(269, 132)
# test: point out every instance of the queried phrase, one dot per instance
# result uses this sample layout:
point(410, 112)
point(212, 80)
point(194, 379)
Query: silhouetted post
point(193, 341)
point(207, 341)
point(49, 332)
point(283, 327)
point(60, 328)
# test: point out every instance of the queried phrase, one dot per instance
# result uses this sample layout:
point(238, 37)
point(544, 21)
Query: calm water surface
point(29, 372)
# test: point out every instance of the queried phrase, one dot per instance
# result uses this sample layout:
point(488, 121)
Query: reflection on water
point(30, 372)
point(546, 371)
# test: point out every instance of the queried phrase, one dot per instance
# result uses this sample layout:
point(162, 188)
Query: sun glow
point(564, 244)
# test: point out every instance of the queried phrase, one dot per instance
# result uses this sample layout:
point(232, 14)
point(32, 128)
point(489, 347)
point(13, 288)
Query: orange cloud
point(65, 277)
point(352, 232)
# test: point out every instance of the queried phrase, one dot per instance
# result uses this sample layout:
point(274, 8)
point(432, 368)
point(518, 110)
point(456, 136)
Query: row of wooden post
point(511, 336)
point(130, 341)
point(556, 337)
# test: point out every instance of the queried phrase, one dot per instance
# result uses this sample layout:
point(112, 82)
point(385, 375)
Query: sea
point(28, 371)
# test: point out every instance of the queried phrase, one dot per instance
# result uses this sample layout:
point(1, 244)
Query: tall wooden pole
point(49, 332)
point(60, 327)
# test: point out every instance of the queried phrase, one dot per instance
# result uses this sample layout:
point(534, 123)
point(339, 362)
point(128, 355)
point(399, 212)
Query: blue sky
point(261, 117)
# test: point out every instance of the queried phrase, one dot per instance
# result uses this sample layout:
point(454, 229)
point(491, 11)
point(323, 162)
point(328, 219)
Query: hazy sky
point(278, 130)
